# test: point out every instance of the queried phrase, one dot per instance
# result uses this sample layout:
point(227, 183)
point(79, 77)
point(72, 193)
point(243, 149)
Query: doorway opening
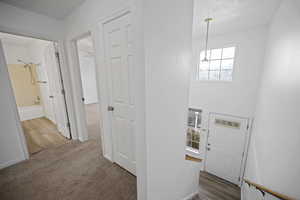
point(87, 66)
point(33, 68)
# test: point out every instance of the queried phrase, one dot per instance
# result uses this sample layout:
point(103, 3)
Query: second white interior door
point(119, 58)
point(55, 90)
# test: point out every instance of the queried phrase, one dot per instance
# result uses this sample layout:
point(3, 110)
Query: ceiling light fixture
point(207, 20)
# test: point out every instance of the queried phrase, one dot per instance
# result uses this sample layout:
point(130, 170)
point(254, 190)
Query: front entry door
point(225, 146)
point(119, 62)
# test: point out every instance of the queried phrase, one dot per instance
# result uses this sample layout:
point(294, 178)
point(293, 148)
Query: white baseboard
point(30, 112)
point(108, 157)
point(190, 196)
point(9, 163)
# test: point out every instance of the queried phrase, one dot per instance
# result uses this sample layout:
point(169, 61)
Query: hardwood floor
point(214, 188)
point(41, 134)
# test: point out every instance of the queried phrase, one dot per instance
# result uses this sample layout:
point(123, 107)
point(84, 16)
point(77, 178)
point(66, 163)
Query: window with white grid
point(219, 64)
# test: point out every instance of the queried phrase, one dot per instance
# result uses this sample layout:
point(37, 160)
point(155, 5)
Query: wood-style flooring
point(214, 188)
point(41, 134)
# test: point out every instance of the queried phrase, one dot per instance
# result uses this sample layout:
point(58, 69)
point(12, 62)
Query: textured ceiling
point(58, 9)
point(232, 15)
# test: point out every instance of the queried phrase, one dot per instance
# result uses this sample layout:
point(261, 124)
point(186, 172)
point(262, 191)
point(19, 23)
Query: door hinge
point(239, 178)
point(63, 91)
point(68, 124)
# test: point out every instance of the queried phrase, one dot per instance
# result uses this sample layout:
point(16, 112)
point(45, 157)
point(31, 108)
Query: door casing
point(64, 74)
point(246, 145)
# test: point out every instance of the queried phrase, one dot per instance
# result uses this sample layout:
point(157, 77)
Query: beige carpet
point(73, 171)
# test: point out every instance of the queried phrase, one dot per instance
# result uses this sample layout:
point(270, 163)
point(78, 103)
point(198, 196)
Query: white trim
point(192, 152)
point(21, 137)
point(106, 91)
point(76, 82)
point(246, 150)
point(65, 74)
point(246, 145)
point(190, 196)
point(100, 79)
point(11, 162)
point(31, 112)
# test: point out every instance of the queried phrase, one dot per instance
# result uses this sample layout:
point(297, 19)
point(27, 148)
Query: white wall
point(14, 52)
point(88, 77)
point(168, 54)
point(12, 150)
point(276, 138)
point(37, 56)
point(237, 97)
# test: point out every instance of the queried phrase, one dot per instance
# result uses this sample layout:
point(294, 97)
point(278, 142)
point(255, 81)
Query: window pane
point(228, 52)
point(189, 143)
point(216, 54)
point(227, 64)
point(214, 75)
point(226, 75)
point(202, 55)
point(215, 65)
point(203, 66)
point(195, 145)
point(203, 75)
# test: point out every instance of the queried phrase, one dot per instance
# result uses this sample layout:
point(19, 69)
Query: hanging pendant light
point(207, 20)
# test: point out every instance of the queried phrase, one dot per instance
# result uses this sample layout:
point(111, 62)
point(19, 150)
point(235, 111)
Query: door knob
point(208, 148)
point(110, 108)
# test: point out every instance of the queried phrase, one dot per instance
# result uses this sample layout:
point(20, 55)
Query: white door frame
point(13, 102)
point(76, 76)
point(246, 146)
point(101, 79)
point(97, 33)
point(78, 91)
point(67, 87)
point(103, 73)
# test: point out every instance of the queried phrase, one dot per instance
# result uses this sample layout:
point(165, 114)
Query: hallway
point(73, 171)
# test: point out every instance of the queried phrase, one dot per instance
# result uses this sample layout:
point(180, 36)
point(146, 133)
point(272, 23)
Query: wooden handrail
point(264, 189)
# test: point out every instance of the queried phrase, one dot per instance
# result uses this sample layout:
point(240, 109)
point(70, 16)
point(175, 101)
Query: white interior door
point(225, 146)
point(55, 90)
point(119, 58)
